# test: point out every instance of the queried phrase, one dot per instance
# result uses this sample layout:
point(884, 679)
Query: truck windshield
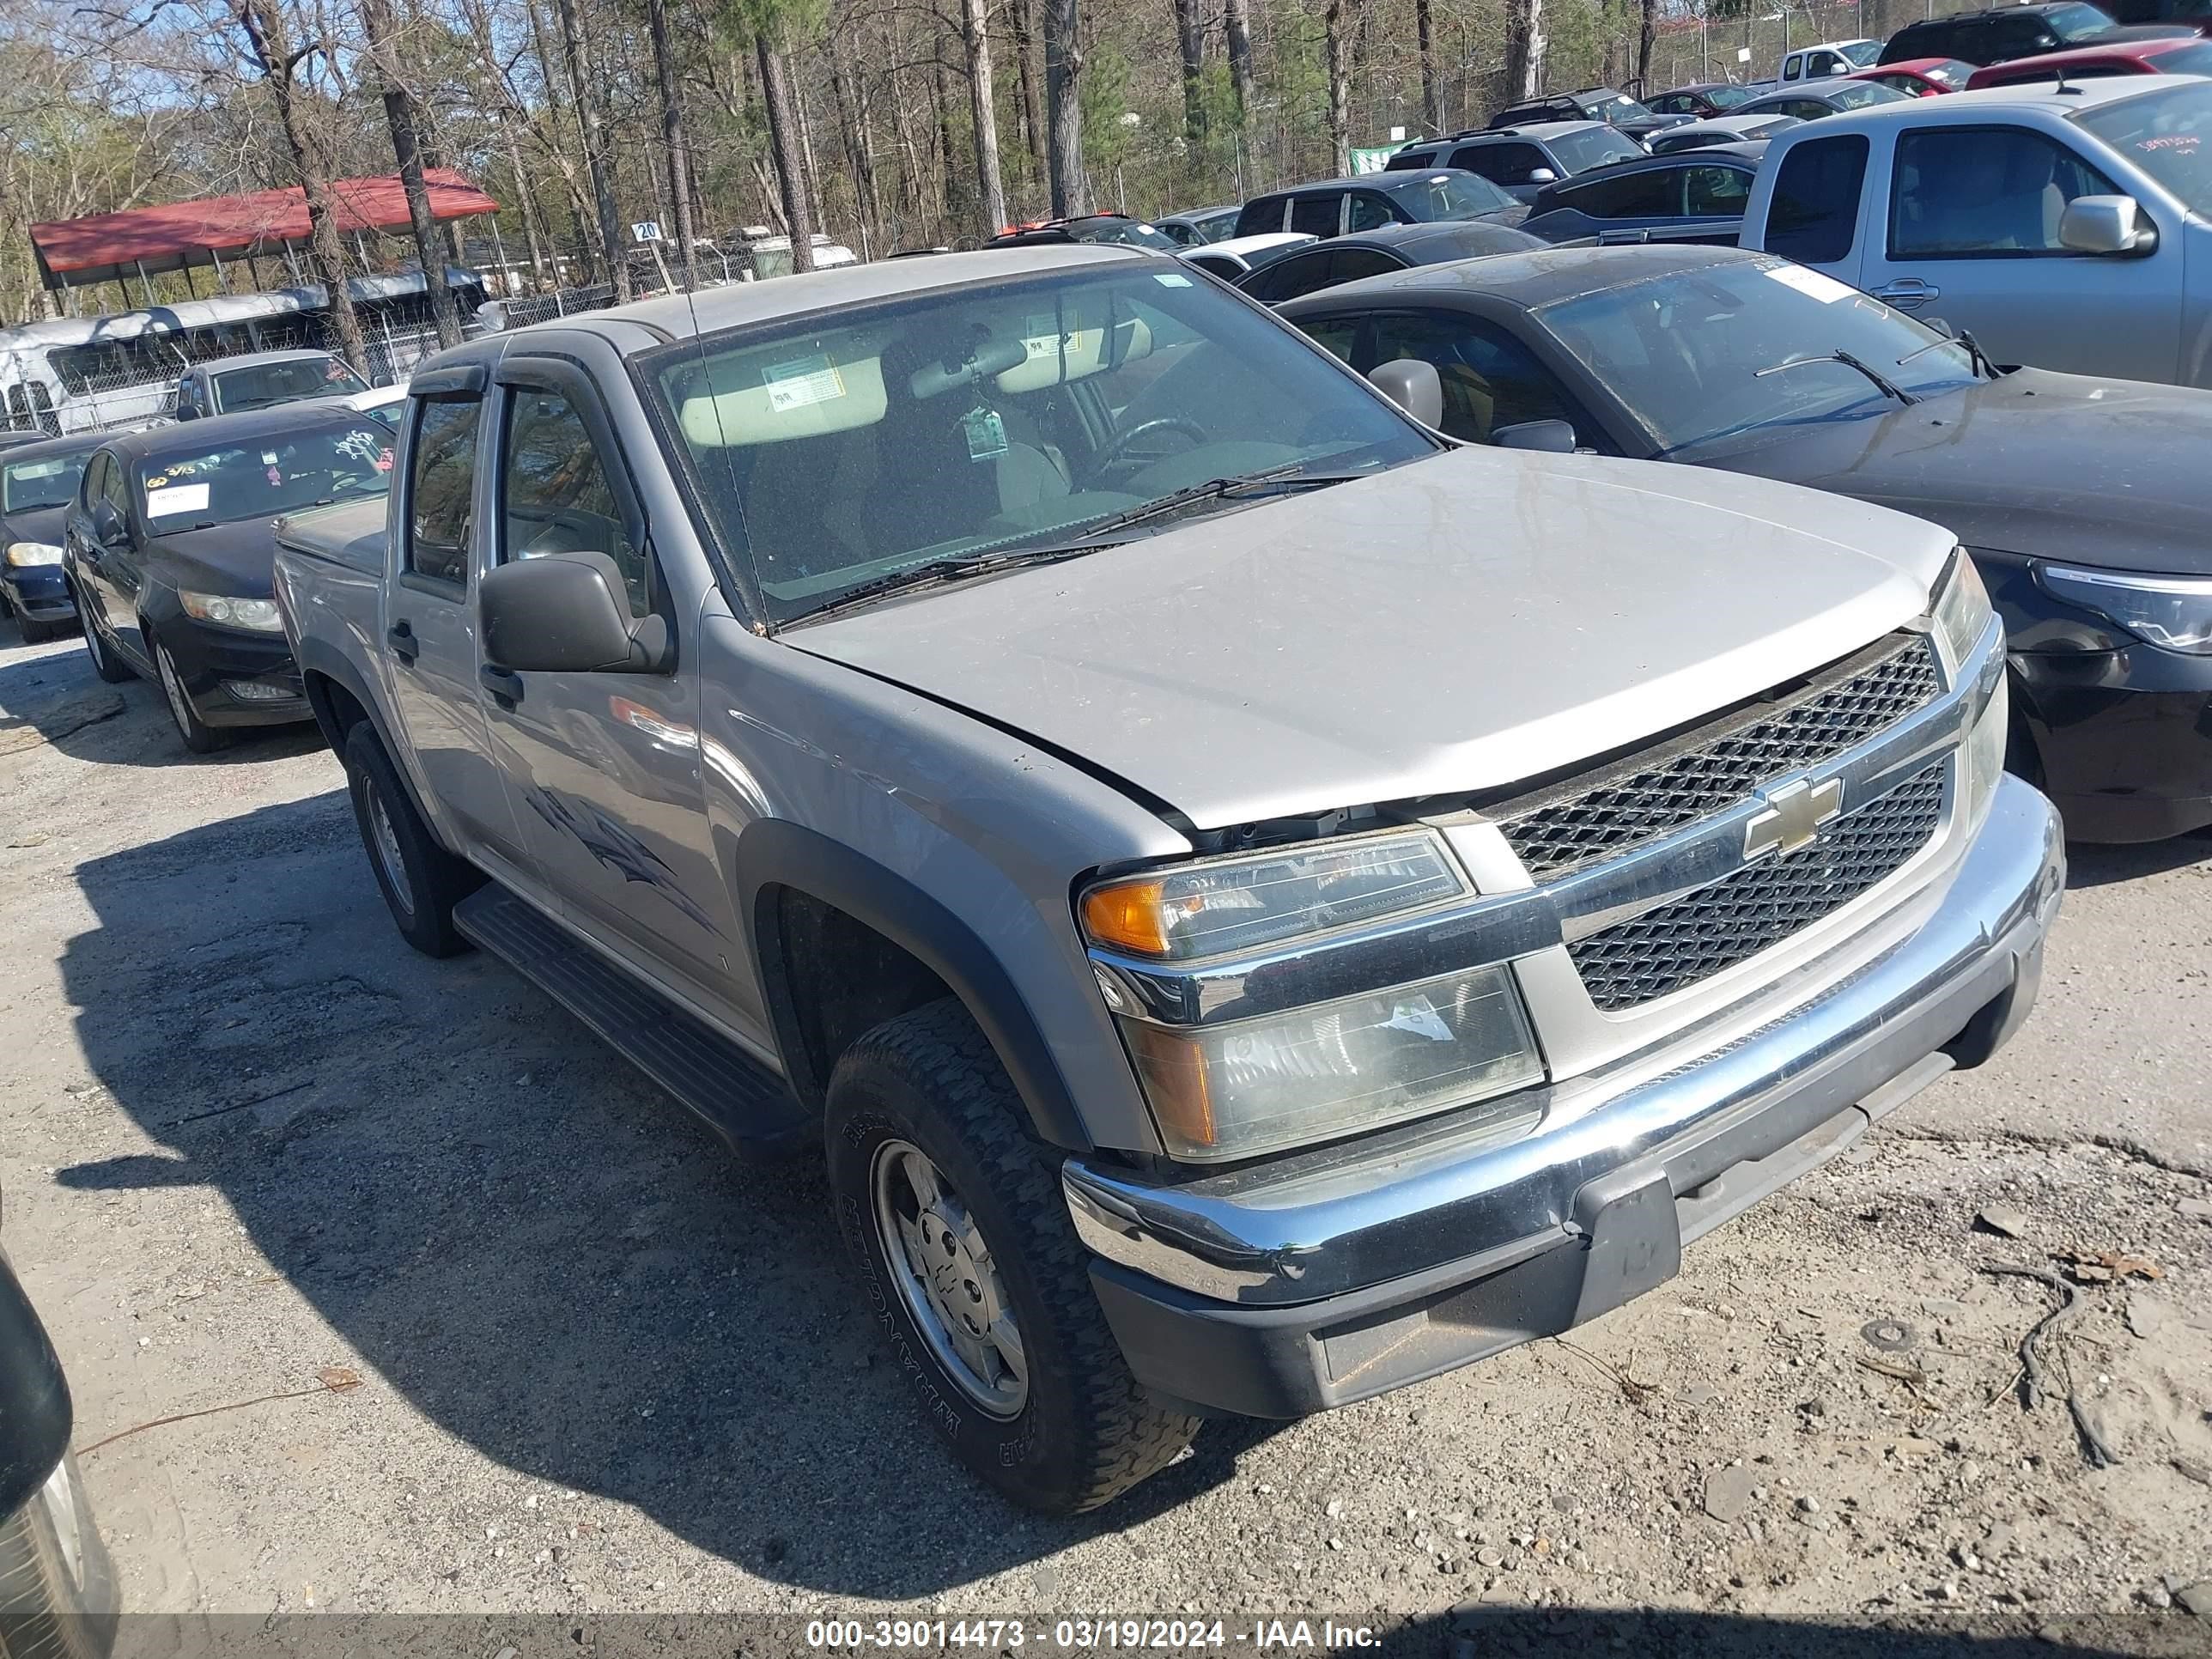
point(835, 453)
point(2168, 134)
point(263, 384)
point(1687, 351)
point(2077, 23)
point(48, 481)
point(262, 478)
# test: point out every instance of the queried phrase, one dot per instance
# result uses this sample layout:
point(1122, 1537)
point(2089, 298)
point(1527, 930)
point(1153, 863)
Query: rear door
point(604, 769)
point(1811, 208)
point(1969, 232)
point(430, 625)
point(1508, 165)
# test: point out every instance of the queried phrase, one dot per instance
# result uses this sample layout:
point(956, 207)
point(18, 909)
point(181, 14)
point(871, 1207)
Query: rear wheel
point(421, 881)
point(197, 735)
point(974, 1273)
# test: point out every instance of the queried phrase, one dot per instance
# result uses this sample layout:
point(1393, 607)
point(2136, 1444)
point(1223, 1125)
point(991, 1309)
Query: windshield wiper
point(935, 572)
point(1275, 480)
point(1975, 354)
point(1888, 388)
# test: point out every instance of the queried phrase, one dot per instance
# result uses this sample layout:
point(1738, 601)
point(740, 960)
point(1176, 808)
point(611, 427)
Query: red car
point(2182, 54)
point(1918, 77)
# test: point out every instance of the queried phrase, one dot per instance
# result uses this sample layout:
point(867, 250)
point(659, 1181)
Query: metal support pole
point(145, 283)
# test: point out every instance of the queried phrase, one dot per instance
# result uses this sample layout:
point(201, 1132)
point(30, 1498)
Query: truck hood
point(2057, 466)
point(1462, 623)
point(237, 559)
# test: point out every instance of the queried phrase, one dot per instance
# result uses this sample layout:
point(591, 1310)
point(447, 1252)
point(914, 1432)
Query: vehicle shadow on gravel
point(514, 1231)
point(2099, 866)
point(1652, 1634)
point(53, 697)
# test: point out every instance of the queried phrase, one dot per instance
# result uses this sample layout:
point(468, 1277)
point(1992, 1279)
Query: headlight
point(23, 553)
point(2172, 612)
point(1961, 609)
point(260, 614)
point(1983, 757)
point(1336, 1067)
point(1238, 903)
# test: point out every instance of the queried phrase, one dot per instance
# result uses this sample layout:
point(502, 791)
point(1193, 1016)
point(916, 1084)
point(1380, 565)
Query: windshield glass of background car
point(263, 477)
point(1858, 95)
point(283, 383)
point(2077, 22)
point(1618, 107)
point(1726, 98)
point(1862, 53)
point(2168, 134)
point(1684, 350)
point(1450, 196)
point(828, 455)
point(49, 482)
point(1594, 147)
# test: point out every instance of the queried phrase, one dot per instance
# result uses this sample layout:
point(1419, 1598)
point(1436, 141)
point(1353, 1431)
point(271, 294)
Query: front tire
point(974, 1273)
point(421, 881)
point(105, 662)
point(34, 632)
point(196, 733)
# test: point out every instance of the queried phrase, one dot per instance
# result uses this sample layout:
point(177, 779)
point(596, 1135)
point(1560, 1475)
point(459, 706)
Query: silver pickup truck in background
point(1259, 904)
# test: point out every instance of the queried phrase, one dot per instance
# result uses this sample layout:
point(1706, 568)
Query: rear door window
point(442, 479)
point(1260, 215)
point(1287, 278)
point(1351, 263)
point(1316, 215)
point(1812, 217)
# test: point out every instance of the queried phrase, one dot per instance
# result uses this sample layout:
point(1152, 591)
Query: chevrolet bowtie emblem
point(1792, 817)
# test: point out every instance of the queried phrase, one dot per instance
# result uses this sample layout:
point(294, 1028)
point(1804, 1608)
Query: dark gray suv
point(1521, 161)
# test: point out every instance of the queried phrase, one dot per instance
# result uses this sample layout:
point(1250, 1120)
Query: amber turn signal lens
point(1131, 917)
point(1172, 1069)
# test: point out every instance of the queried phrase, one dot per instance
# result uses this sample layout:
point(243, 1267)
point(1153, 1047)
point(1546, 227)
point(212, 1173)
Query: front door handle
point(504, 683)
point(1908, 292)
point(401, 638)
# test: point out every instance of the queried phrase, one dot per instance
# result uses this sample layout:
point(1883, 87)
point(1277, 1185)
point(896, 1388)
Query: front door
point(604, 768)
point(1972, 236)
point(429, 633)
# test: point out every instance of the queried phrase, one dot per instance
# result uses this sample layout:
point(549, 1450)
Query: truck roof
point(684, 317)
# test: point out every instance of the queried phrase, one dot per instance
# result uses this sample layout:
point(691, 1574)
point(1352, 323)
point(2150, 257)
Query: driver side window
point(554, 493)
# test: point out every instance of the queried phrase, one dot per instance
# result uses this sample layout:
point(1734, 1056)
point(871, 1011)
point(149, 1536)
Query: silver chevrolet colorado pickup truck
point(1261, 904)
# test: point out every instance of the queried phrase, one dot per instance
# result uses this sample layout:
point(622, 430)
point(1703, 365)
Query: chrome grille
point(1761, 904)
point(1555, 833)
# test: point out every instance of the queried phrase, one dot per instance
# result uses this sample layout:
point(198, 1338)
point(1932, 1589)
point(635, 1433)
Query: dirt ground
point(252, 1147)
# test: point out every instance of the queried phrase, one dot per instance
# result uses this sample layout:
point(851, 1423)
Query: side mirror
point(567, 613)
point(2107, 225)
point(106, 523)
point(1546, 437)
point(1542, 176)
point(1413, 385)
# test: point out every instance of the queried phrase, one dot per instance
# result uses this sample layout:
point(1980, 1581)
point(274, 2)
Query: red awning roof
point(104, 247)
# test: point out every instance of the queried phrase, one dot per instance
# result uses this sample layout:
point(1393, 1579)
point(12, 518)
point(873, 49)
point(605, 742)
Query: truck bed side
point(329, 588)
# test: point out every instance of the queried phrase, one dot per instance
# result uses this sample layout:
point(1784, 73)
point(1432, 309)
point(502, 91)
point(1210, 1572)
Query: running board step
point(742, 1100)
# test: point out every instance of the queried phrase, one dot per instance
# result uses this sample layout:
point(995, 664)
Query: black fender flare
point(774, 853)
point(314, 657)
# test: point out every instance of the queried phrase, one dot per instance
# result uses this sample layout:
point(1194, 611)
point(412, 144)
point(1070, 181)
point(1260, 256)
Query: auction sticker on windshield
point(177, 498)
point(1825, 289)
point(802, 381)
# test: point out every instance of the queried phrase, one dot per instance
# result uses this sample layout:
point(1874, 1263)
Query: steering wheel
point(1197, 435)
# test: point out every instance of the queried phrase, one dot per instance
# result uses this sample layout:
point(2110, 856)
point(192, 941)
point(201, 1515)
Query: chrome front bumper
point(1396, 1221)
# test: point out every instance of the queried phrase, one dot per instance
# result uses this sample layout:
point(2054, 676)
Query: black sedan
point(169, 548)
point(1705, 98)
point(2085, 501)
point(1394, 248)
point(37, 483)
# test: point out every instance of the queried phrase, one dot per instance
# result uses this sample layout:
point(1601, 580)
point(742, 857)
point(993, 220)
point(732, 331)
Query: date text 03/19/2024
point(1160, 1635)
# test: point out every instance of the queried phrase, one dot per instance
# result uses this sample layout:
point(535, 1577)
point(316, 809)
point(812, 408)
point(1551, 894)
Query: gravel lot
point(247, 1136)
